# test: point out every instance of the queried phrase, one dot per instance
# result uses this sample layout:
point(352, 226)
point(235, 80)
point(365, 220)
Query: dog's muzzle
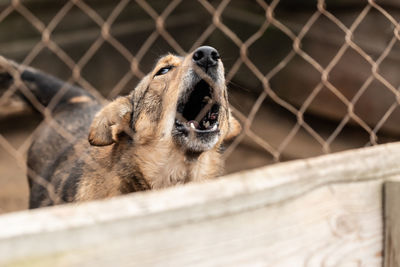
point(197, 115)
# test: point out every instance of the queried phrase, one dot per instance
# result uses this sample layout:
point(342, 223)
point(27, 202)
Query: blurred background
point(305, 78)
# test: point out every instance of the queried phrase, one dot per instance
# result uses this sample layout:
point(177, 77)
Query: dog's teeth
point(206, 124)
point(193, 124)
point(214, 127)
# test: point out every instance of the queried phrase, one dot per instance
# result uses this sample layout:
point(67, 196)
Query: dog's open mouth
point(198, 111)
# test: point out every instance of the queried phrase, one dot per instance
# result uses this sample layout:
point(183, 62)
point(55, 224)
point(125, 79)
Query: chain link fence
point(306, 78)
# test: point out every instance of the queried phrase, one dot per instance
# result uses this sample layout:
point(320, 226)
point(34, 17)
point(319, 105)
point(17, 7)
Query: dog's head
point(183, 101)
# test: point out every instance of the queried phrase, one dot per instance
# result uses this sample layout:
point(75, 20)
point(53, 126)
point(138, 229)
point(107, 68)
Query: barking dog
point(169, 130)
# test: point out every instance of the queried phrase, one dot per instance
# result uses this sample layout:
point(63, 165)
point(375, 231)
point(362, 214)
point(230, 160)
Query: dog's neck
point(192, 156)
point(155, 165)
point(165, 164)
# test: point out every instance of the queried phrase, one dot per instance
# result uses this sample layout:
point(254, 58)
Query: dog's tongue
point(193, 124)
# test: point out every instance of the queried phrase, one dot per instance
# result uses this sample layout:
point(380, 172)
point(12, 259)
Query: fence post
point(392, 224)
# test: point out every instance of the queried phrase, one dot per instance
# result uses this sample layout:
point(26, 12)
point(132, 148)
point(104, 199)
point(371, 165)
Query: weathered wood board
point(392, 224)
point(322, 211)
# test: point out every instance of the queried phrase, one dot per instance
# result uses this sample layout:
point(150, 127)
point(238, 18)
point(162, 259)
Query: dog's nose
point(206, 57)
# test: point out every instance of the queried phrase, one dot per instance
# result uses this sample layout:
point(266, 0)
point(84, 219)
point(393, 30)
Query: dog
point(170, 130)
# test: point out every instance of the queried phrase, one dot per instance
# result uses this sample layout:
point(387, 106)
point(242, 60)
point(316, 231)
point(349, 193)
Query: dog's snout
point(206, 57)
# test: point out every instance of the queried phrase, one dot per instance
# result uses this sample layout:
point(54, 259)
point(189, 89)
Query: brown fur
point(133, 142)
point(161, 162)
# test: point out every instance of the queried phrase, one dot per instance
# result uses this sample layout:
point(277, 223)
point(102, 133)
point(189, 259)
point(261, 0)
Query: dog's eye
point(163, 71)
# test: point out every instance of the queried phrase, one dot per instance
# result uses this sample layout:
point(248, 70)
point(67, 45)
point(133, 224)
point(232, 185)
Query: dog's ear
point(234, 129)
point(110, 122)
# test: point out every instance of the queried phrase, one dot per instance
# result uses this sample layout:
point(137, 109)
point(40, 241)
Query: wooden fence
point(325, 211)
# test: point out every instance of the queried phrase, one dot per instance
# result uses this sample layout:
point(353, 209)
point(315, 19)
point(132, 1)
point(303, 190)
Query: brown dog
point(168, 131)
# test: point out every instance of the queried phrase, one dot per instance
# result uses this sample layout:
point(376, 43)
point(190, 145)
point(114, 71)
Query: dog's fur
point(135, 142)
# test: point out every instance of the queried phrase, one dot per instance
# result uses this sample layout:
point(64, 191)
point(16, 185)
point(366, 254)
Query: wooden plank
point(322, 211)
point(392, 224)
point(321, 228)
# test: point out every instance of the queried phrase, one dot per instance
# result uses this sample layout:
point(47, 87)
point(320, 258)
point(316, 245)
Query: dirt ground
point(13, 183)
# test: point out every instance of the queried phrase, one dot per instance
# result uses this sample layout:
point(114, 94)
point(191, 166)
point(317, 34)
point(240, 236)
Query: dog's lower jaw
point(194, 144)
point(195, 141)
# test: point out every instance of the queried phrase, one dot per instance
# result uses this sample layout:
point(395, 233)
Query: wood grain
point(392, 224)
point(325, 211)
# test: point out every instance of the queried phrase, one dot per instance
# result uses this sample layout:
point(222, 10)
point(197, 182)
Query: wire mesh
point(306, 78)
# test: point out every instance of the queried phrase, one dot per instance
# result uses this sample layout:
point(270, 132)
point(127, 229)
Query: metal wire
point(243, 46)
